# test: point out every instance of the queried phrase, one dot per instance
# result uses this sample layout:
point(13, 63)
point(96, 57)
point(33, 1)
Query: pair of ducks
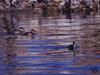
point(22, 32)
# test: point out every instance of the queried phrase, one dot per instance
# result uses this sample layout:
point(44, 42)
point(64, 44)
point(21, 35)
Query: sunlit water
point(46, 52)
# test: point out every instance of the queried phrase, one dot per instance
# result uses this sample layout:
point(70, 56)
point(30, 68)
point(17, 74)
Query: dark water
point(46, 52)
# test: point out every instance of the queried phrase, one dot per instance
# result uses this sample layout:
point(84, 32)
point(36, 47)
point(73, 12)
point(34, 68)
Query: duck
point(72, 47)
point(22, 32)
point(33, 32)
point(19, 31)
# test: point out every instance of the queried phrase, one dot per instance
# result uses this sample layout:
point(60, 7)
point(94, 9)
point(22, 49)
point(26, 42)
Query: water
point(46, 52)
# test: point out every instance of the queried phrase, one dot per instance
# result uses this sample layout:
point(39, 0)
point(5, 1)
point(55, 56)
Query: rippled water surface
point(46, 52)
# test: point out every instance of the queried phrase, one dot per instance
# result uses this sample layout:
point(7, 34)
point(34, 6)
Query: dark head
point(73, 42)
point(21, 28)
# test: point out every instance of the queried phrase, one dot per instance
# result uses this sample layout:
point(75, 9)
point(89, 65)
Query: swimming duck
point(33, 32)
point(72, 47)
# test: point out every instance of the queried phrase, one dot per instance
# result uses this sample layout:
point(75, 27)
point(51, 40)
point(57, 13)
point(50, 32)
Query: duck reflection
point(10, 55)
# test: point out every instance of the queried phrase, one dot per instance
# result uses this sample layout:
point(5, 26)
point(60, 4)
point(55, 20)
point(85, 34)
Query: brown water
point(46, 52)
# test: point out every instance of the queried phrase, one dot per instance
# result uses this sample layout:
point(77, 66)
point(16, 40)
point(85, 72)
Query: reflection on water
point(46, 52)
